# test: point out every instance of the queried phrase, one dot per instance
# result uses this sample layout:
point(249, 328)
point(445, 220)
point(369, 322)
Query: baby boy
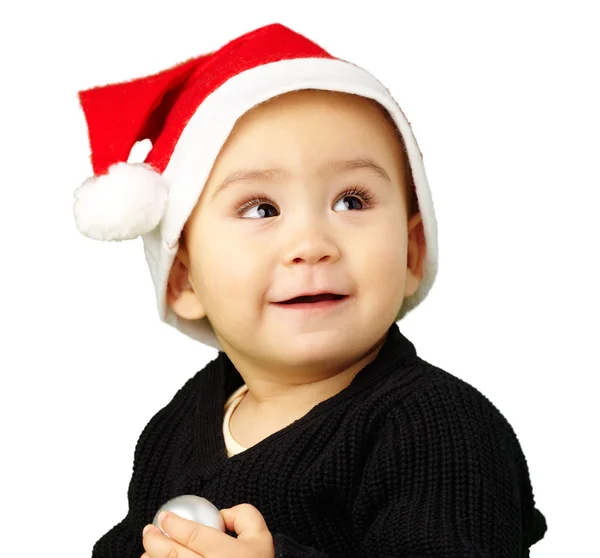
point(287, 222)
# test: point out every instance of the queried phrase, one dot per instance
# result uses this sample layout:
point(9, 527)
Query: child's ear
point(415, 254)
point(181, 295)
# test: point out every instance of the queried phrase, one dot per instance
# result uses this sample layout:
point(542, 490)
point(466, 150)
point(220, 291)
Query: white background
point(503, 100)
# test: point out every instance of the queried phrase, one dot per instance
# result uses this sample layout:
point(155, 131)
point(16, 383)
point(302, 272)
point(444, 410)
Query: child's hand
point(193, 540)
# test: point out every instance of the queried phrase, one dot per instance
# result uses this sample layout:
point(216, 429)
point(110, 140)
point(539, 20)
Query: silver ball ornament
point(194, 508)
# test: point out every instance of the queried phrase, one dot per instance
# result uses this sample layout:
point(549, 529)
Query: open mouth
point(313, 305)
point(313, 299)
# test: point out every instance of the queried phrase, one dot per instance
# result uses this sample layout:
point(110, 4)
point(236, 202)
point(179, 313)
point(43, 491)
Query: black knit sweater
point(407, 461)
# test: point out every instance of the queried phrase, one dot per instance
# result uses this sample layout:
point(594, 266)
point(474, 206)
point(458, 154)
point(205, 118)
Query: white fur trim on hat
point(127, 202)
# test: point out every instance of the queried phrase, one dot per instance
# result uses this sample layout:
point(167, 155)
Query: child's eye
point(259, 201)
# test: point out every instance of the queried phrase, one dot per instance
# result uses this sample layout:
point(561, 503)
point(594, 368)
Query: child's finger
point(245, 520)
point(159, 546)
point(201, 539)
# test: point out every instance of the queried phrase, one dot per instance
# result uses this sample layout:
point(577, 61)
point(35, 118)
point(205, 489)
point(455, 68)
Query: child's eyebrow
point(249, 175)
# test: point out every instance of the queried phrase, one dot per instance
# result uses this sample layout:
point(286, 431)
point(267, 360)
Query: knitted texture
point(407, 461)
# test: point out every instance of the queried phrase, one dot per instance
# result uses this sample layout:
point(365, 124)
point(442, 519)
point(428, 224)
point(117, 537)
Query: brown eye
point(263, 209)
point(262, 202)
point(358, 203)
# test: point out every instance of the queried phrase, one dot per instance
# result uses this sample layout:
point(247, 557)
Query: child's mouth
point(317, 302)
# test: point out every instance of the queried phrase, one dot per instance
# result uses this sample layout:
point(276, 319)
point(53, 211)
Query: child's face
point(304, 234)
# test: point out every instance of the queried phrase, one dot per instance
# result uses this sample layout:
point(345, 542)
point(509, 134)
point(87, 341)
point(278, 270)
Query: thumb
point(245, 520)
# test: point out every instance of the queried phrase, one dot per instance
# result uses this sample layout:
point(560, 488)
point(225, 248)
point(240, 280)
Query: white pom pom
point(125, 203)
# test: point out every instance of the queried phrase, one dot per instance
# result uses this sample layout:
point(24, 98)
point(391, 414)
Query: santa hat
point(187, 112)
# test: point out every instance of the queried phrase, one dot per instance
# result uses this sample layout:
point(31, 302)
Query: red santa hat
point(187, 112)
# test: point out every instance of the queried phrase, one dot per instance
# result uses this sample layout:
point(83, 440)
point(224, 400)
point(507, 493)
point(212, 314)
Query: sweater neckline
point(221, 377)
